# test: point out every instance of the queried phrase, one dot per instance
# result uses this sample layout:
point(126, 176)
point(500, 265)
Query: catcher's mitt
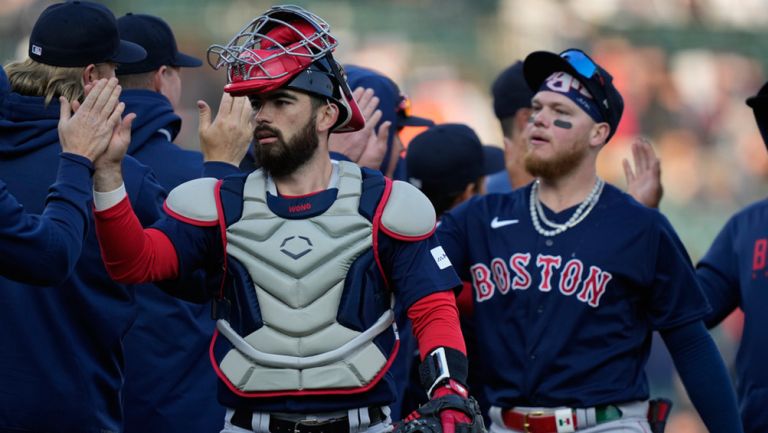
point(426, 419)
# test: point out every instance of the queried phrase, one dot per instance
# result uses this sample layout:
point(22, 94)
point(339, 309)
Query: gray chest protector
point(298, 267)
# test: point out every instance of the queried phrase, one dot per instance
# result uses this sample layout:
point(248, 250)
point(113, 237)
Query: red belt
point(534, 422)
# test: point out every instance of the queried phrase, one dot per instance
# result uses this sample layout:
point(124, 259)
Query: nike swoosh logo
point(496, 223)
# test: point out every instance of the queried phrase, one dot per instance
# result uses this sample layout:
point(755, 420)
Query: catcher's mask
point(287, 47)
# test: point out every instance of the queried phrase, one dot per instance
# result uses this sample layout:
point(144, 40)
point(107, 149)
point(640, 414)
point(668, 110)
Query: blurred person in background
point(449, 164)
point(159, 395)
point(512, 106)
point(734, 274)
point(395, 107)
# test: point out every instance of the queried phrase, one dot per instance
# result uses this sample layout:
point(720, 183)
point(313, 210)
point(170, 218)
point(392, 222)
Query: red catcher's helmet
point(287, 47)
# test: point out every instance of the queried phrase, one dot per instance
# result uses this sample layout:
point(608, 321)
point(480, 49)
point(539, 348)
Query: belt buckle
point(301, 422)
point(526, 424)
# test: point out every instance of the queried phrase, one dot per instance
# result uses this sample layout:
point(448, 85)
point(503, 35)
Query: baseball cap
point(156, 37)
point(445, 158)
point(79, 33)
point(510, 91)
point(539, 65)
point(395, 106)
point(760, 100)
point(759, 105)
point(493, 159)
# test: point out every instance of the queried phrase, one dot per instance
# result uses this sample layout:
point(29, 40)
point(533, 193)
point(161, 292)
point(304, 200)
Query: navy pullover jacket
point(169, 383)
point(62, 363)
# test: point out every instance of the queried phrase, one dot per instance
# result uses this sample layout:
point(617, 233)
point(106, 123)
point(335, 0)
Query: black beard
point(561, 164)
point(281, 159)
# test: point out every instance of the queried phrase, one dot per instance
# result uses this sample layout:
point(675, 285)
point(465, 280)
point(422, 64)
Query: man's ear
point(89, 74)
point(157, 79)
point(599, 134)
point(327, 115)
point(521, 119)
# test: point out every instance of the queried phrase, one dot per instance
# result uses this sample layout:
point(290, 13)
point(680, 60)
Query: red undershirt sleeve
point(131, 253)
point(435, 321)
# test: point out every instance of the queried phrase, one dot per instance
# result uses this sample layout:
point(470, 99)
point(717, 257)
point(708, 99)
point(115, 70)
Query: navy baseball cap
point(446, 158)
point(80, 33)
point(156, 37)
point(395, 106)
point(539, 65)
point(510, 92)
point(760, 100)
point(759, 105)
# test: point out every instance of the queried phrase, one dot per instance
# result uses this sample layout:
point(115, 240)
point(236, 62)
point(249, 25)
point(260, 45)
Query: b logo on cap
point(563, 82)
point(36, 50)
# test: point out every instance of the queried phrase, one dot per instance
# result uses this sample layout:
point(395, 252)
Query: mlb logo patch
point(36, 50)
point(440, 257)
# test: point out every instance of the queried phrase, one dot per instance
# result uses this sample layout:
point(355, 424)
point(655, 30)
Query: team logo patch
point(36, 50)
point(440, 257)
point(564, 421)
point(296, 247)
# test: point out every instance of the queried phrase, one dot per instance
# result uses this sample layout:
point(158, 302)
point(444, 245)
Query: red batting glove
point(449, 418)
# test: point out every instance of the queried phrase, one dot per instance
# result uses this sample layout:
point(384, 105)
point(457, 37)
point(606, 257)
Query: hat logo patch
point(563, 82)
point(37, 50)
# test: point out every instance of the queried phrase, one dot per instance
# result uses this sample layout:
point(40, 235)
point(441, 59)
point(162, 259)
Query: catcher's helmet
point(287, 47)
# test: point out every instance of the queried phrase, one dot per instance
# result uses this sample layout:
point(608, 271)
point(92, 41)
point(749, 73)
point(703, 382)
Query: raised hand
point(229, 135)
point(644, 182)
point(364, 146)
point(88, 131)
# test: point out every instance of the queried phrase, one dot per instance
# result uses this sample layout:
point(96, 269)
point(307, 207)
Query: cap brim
point(186, 61)
point(539, 65)
point(415, 121)
point(128, 52)
point(493, 159)
point(758, 101)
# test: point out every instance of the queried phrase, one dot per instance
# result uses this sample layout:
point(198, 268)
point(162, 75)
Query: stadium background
point(684, 67)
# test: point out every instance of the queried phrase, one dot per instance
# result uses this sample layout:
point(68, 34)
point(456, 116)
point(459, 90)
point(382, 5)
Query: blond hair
point(32, 78)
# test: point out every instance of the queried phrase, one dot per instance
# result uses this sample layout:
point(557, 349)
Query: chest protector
point(298, 268)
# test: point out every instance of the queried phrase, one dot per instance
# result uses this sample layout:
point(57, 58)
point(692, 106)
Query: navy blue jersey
point(734, 273)
point(411, 269)
point(567, 320)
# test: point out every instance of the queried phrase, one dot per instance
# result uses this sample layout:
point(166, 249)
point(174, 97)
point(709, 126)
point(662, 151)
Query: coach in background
point(580, 274)
point(733, 275)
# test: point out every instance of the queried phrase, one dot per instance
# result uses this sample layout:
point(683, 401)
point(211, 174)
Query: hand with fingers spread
point(363, 147)
point(644, 182)
point(376, 148)
point(229, 135)
point(88, 131)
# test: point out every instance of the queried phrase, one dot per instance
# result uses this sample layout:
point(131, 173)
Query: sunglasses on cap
point(581, 62)
point(404, 106)
point(587, 68)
